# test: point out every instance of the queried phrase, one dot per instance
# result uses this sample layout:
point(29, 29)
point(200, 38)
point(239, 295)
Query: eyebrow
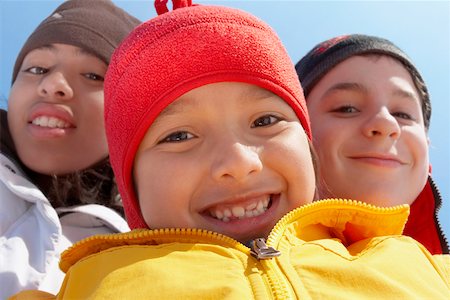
point(353, 86)
point(78, 51)
point(406, 94)
point(347, 86)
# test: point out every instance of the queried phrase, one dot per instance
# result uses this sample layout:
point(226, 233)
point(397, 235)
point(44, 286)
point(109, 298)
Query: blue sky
point(420, 28)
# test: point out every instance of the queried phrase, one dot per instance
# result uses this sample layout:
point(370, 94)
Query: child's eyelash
point(36, 70)
point(176, 137)
point(266, 120)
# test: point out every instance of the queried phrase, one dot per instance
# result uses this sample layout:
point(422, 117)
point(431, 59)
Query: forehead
point(369, 71)
point(369, 75)
point(62, 48)
point(193, 99)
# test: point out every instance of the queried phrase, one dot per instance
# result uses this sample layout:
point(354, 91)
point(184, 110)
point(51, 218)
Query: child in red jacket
point(370, 112)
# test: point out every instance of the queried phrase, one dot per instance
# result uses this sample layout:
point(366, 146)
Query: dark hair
point(95, 185)
point(317, 173)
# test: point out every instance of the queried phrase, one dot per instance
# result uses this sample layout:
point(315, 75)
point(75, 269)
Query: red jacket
point(423, 224)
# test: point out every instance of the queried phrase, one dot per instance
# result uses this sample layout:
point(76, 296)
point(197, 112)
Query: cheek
point(417, 145)
point(92, 123)
point(16, 104)
point(328, 142)
point(291, 158)
point(162, 199)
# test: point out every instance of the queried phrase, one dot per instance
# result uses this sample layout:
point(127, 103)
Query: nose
point(55, 86)
point(235, 161)
point(382, 124)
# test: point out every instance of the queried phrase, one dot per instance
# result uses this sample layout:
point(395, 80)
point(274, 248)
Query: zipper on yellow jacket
point(279, 285)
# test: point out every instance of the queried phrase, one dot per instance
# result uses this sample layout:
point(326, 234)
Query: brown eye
point(346, 109)
point(403, 115)
point(93, 76)
point(36, 70)
point(266, 120)
point(177, 137)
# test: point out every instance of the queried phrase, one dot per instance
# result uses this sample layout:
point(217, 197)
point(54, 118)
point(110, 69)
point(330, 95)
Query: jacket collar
point(423, 224)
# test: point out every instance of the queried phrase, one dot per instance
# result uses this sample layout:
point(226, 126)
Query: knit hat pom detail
point(161, 5)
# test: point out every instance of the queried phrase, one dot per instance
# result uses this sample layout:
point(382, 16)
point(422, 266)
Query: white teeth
point(238, 211)
point(219, 214)
point(50, 122)
point(251, 210)
point(227, 213)
point(251, 206)
point(260, 206)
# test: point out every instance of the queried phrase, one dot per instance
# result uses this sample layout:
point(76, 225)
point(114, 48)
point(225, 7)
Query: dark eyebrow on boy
point(346, 86)
point(406, 94)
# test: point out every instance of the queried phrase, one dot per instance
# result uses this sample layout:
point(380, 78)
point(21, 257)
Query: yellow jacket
point(331, 249)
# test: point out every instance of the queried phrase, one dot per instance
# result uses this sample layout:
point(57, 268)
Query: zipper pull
point(260, 250)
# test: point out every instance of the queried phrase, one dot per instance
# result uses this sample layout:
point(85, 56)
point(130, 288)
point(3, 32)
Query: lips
point(49, 121)
point(51, 116)
point(379, 159)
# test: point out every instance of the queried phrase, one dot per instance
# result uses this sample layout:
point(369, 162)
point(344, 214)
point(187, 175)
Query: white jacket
point(32, 235)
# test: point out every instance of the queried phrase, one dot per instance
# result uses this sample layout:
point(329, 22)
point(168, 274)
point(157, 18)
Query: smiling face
point(55, 110)
point(228, 157)
point(368, 131)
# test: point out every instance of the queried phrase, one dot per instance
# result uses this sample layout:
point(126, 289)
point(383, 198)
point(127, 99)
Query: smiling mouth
point(379, 160)
point(239, 212)
point(50, 122)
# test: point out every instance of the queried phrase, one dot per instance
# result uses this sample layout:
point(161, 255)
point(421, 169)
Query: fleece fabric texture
point(95, 26)
point(176, 52)
point(330, 249)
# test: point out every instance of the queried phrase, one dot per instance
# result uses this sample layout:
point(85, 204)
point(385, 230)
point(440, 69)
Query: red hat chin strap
point(161, 5)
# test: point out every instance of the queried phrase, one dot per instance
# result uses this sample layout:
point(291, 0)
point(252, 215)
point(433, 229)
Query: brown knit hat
point(326, 55)
point(97, 26)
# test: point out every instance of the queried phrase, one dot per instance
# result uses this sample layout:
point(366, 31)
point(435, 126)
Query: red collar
point(422, 223)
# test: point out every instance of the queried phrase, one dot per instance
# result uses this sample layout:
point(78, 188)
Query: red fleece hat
point(176, 52)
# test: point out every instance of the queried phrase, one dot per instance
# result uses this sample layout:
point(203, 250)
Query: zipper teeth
point(438, 204)
point(280, 225)
point(181, 234)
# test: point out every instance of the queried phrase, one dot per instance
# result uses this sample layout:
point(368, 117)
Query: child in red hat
point(210, 142)
point(370, 113)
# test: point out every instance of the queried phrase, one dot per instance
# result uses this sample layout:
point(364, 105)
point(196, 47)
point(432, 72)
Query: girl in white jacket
point(56, 183)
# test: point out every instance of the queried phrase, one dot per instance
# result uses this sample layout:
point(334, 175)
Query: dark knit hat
point(97, 26)
point(326, 55)
point(176, 52)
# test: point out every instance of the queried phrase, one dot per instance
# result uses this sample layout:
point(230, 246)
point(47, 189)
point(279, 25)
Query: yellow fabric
point(332, 249)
